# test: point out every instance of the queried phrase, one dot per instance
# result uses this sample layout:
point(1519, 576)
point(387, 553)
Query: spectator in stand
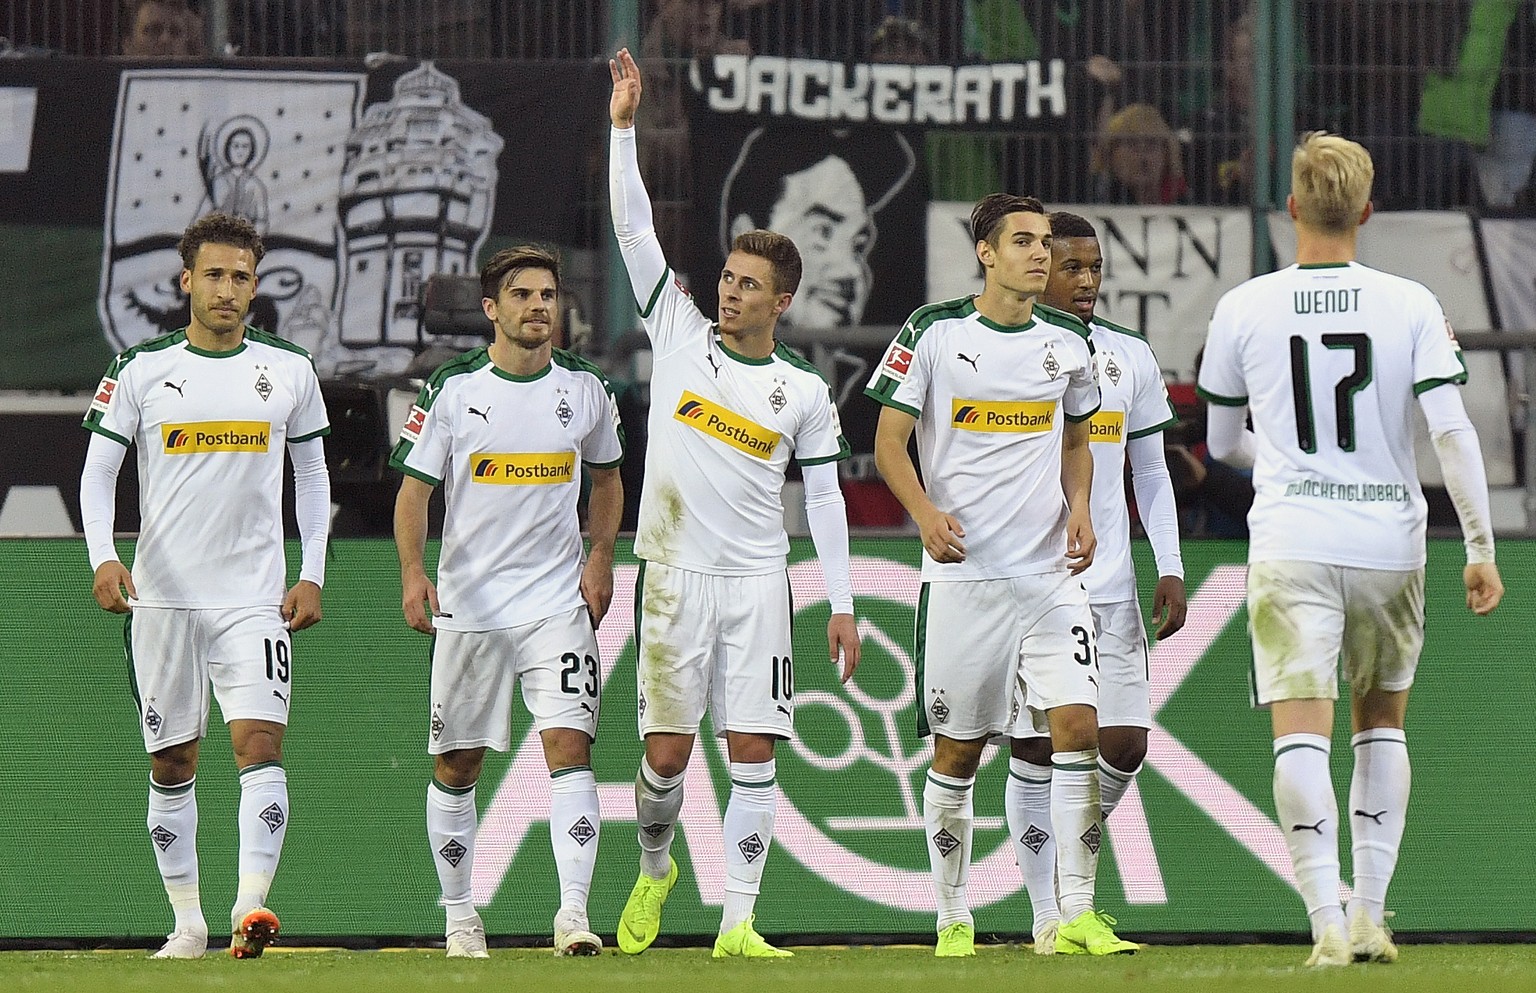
point(1138, 159)
point(162, 29)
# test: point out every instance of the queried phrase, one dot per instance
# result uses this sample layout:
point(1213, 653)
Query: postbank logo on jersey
point(200, 437)
point(1003, 416)
point(727, 426)
point(1107, 426)
point(522, 468)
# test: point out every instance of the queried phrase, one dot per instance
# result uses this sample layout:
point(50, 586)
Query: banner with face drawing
point(363, 184)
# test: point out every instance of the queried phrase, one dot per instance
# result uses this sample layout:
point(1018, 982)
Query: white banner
point(1164, 268)
point(1437, 248)
point(1511, 248)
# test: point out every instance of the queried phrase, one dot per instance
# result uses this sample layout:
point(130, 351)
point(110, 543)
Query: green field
point(1183, 969)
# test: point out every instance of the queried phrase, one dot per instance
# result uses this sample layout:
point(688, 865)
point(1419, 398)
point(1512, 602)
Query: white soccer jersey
point(988, 400)
point(1329, 359)
point(722, 430)
point(508, 450)
point(210, 429)
point(1136, 404)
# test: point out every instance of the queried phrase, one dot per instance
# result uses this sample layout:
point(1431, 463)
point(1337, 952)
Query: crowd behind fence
point(1165, 95)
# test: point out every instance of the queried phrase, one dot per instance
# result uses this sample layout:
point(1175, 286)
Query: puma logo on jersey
point(484, 415)
point(714, 363)
point(1003, 416)
point(1318, 827)
point(170, 385)
point(1374, 817)
point(966, 358)
point(727, 426)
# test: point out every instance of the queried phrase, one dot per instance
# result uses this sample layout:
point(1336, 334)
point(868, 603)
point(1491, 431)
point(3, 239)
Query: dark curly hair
point(219, 229)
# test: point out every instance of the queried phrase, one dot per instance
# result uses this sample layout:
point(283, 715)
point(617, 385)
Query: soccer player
point(212, 408)
point(1327, 356)
point(729, 406)
point(506, 429)
point(1000, 392)
point(1135, 412)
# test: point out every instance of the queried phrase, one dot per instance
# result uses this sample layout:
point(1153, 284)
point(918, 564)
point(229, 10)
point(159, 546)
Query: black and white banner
point(1164, 268)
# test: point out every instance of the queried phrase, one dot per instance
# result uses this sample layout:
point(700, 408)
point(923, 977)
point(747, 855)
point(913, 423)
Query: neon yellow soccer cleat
point(1089, 933)
point(742, 941)
point(956, 941)
point(640, 922)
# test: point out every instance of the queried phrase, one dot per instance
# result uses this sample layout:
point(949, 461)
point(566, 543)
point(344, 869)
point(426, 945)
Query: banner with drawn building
point(364, 183)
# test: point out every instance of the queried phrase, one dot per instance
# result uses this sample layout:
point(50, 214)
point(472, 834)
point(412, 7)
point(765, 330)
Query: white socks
point(1378, 804)
point(1079, 831)
point(1309, 819)
point(573, 833)
point(748, 831)
point(263, 826)
point(948, 817)
point(1027, 800)
point(451, 823)
point(1112, 786)
point(658, 801)
point(172, 826)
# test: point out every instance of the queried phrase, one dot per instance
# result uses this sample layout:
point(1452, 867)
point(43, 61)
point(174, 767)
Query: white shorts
point(723, 641)
point(984, 645)
point(473, 673)
point(1124, 684)
point(1302, 616)
point(174, 655)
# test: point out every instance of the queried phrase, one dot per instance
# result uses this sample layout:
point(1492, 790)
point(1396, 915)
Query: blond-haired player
point(1328, 357)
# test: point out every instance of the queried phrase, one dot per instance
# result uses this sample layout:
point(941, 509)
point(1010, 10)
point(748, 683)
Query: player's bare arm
point(626, 89)
point(942, 534)
point(112, 581)
point(419, 596)
point(1077, 483)
point(301, 607)
point(605, 507)
point(1170, 606)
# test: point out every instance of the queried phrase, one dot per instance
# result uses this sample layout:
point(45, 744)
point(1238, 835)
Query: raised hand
point(626, 89)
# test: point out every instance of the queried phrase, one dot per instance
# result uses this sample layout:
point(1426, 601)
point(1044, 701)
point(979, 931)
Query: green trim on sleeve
point(843, 452)
point(650, 305)
point(92, 426)
point(1460, 379)
point(311, 436)
point(416, 473)
point(1154, 429)
point(886, 401)
point(604, 465)
point(1080, 419)
point(1218, 399)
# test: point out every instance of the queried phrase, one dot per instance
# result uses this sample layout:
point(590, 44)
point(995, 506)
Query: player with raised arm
point(1328, 356)
point(509, 430)
point(1135, 412)
point(729, 407)
point(212, 408)
point(1000, 391)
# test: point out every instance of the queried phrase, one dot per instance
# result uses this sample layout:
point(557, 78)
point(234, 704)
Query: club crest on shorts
point(153, 721)
point(938, 708)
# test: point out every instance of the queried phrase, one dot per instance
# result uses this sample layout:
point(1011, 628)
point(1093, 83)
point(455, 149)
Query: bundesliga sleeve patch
point(897, 362)
point(103, 398)
point(413, 424)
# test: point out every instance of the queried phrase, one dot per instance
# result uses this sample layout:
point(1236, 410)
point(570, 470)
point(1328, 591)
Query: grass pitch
point(1184, 969)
